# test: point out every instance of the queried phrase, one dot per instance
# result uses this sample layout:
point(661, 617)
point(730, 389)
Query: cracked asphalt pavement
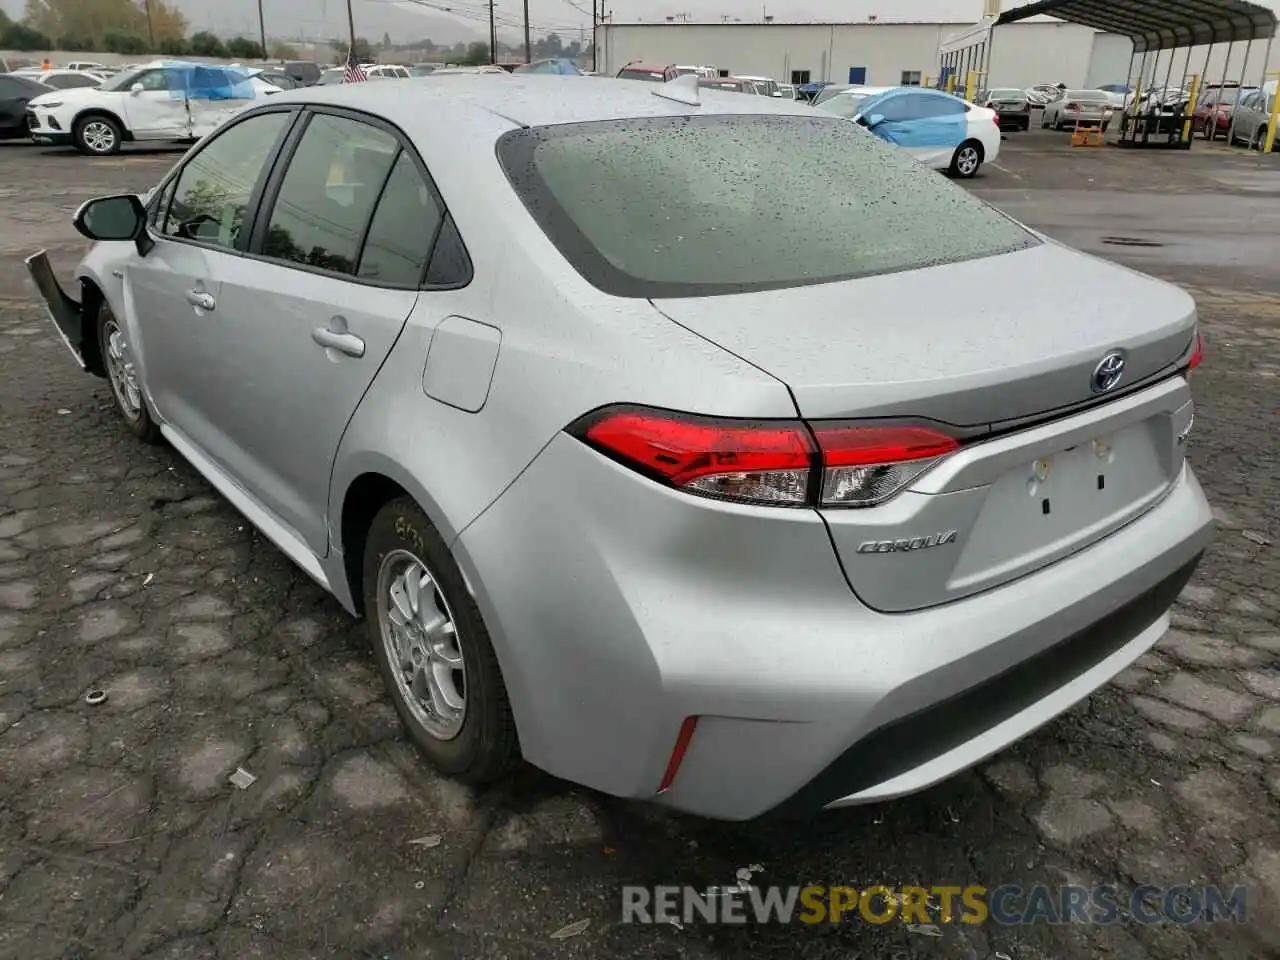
point(120, 569)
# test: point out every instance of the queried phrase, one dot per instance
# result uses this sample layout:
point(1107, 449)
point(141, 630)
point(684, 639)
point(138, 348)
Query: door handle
point(198, 298)
point(347, 343)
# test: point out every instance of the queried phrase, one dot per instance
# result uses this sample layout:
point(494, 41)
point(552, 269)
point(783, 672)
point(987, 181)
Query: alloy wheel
point(419, 637)
point(121, 371)
point(98, 136)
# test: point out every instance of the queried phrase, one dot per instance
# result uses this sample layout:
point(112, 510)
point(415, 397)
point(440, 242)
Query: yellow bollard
point(1275, 113)
point(1191, 105)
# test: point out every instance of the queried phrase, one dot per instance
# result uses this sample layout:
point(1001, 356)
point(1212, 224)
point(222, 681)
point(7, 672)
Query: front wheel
point(122, 374)
point(97, 136)
point(967, 160)
point(433, 648)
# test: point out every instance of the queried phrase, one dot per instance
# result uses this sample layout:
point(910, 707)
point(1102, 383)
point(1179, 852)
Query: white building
point(880, 53)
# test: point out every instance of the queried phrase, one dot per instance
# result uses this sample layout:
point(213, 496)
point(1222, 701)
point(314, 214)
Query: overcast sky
point(449, 21)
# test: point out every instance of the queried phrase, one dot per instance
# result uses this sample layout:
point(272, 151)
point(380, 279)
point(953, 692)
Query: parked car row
point(708, 77)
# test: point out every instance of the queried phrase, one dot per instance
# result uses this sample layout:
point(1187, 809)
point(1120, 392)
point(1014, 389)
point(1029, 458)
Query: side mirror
point(873, 121)
point(136, 89)
point(121, 217)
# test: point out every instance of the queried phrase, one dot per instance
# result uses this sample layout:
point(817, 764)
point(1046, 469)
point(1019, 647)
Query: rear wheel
point(122, 374)
point(433, 648)
point(97, 135)
point(967, 159)
point(1259, 139)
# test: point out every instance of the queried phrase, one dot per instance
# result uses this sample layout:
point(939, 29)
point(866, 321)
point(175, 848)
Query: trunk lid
point(1006, 349)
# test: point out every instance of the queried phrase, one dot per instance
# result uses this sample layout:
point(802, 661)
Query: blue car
point(939, 130)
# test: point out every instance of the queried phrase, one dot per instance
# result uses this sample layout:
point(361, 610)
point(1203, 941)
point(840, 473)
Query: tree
point(386, 41)
point(126, 43)
point(167, 22)
point(93, 20)
point(282, 51)
point(18, 36)
point(174, 46)
point(242, 48)
point(205, 44)
point(364, 52)
point(549, 46)
point(477, 54)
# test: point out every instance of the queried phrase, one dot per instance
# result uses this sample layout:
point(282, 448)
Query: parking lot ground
point(120, 569)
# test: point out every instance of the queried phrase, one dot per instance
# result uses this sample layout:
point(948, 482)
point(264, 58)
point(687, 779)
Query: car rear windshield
point(702, 206)
point(844, 105)
point(1007, 94)
point(1088, 96)
point(640, 75)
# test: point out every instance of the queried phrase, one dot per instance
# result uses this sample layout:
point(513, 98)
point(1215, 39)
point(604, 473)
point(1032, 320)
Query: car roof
point(528, 99)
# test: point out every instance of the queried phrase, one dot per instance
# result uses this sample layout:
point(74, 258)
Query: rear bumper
point(659, 606)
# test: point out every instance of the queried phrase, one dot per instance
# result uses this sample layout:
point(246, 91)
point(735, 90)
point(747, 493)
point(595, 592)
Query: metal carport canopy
point(1155, 25)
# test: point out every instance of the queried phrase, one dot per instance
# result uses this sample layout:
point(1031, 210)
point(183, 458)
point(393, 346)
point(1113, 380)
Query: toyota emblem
point(1108, 373)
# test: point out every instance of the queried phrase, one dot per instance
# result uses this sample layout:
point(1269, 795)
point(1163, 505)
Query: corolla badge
point(907, 545)
point(1108, 373)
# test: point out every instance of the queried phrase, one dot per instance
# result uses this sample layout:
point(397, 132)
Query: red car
point(1212, 116)
point(647, 71)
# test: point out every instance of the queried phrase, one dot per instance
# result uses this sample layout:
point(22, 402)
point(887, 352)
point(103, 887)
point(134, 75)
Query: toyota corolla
point(644, 459)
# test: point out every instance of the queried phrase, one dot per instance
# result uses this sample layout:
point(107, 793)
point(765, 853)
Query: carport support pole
point(1194, 88)
point(1226, 65)
point(1231, 130)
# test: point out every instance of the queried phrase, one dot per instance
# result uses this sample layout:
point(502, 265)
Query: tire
point(967, 160)
point(1061, 126)
point(1044, 122)
point(97, 135)
point(1026, 126)
point(126, 387)
point(1105, 127)
point(478, 744)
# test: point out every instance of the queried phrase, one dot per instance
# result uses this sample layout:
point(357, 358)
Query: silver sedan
point(644, 459)
point(1084, 108)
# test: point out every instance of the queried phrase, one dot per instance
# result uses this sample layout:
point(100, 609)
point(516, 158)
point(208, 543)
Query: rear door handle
point(347, 343)
point(198, 298)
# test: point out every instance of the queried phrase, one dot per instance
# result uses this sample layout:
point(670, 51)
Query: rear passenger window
point(450, 265)
point(404, 227)
point(328, 194)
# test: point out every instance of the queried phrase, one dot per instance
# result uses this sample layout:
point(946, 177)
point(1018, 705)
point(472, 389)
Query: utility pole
point(262, 30)
point(493, 35)
point(595, 21)
point(151, 33)
point(528, 47)
point(351, 29)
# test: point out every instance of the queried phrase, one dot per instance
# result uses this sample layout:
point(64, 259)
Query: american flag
point(354, 73)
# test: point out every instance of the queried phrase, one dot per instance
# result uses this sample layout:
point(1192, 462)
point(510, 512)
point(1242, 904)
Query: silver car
point(1252, 119)
point(1084, 108)
point(645, 460)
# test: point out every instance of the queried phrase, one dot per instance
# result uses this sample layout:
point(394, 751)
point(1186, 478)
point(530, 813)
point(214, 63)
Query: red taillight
point(996, 119)
point(864, 466)
point(683, 738)
point(1197, 354)
point(753, 461)
point(770, 462)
